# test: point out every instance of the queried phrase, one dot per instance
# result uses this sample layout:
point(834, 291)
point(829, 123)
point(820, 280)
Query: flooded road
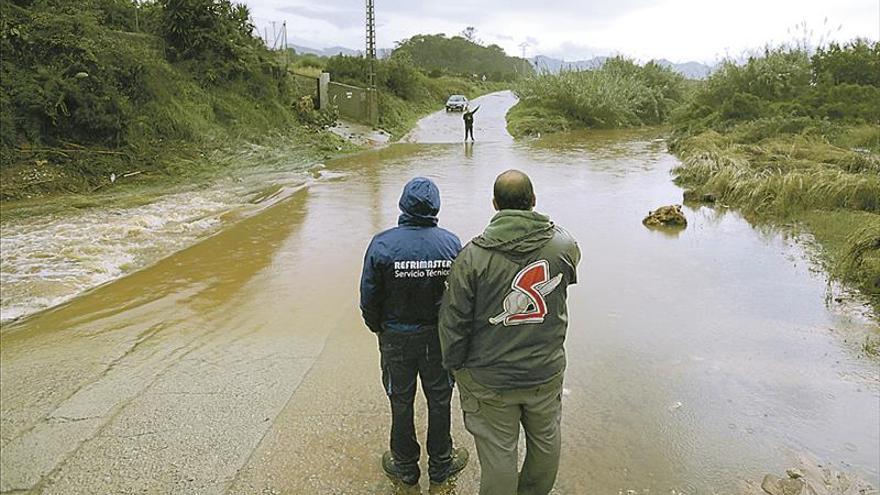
point(60, 249)
point(240, 365)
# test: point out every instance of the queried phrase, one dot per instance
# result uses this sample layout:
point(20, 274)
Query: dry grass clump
point(862, 260)
point(781, 176)
point(788, 177)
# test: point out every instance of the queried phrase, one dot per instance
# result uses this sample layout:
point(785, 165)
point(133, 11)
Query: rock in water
point(666, 216)
point(777, 486)
point(794, 473)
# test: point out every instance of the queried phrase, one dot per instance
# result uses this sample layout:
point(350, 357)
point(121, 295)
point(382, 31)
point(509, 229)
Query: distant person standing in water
point(469, 123)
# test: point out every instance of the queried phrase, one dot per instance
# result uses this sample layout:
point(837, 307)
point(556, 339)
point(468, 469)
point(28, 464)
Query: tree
point(201, 28)
point(470, 33)
point(437, 53)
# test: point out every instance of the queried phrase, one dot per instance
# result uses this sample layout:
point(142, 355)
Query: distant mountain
point(336, 50)
point(326, 52)
point(543, 63)
point(690, 70)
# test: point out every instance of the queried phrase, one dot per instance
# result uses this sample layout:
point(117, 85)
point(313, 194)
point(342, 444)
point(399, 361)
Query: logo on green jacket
point(526, 304)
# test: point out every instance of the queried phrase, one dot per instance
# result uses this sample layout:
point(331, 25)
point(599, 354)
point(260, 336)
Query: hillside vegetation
point(99, 87)
point(791, 137)
point(95, 90)
point(437, 55)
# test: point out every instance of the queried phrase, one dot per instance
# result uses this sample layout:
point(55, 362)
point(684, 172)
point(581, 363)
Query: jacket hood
point(419, 203)
point(516, 231)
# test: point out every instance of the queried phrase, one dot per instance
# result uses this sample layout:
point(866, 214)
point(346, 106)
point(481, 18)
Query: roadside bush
point(399, 76)
point(795, 138)
point(619, 94)
point(856, 62)
point(839, 83)
point(525, 120)
point(308, 114)
point(309, 60)
point(348, 69)
point(396, 75)
point(64, 79)
point(206, 29)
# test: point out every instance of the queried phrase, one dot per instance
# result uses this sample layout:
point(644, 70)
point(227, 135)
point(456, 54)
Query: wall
point(354, 103)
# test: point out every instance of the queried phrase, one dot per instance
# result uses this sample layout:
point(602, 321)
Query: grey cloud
point(466, 12)
point(341, 18)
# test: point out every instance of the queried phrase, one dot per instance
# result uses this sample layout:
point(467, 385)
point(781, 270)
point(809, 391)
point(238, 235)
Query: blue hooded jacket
point(405, 267)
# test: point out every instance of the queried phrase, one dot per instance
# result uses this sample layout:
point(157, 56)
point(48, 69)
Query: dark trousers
point(468, 129)
point(404, 357)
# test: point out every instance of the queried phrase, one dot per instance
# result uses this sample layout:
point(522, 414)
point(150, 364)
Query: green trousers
point(494, 416)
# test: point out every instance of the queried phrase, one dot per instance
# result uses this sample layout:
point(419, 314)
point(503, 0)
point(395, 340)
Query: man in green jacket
point(502, 326)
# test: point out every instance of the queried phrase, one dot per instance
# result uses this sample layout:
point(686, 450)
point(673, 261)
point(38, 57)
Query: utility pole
point(372, 102)
point(284, 46)
point(371, 43)
point(524, 45)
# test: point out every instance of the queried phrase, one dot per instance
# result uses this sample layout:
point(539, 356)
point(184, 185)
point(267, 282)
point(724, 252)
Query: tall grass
point(780, 177)
point(834, 191)
point(619, 94)
point(793, 137)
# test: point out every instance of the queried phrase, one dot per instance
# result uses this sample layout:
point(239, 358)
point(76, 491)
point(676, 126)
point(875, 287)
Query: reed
point(619, 94)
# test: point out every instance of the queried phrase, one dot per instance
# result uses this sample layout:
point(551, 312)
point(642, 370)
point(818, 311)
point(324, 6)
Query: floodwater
point(696, 360)
point(52, 255)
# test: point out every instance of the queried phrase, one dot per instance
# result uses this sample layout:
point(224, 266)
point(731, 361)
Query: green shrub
point(348, 69)
point(619, 94)
point(838, 83)
point(309, 60)
point(399, 75)
point(856, 62)
point(524, 120)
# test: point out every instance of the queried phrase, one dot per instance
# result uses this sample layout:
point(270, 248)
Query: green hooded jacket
point(504, 314)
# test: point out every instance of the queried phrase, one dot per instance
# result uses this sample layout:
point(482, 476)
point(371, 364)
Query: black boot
point(406, 473)
point(456, 463)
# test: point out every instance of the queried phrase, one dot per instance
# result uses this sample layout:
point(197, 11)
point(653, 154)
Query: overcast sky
point(678, 30)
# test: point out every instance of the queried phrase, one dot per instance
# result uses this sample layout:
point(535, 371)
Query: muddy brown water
point(696, 360)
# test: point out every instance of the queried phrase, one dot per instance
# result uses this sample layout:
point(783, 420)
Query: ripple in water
point(46, 261)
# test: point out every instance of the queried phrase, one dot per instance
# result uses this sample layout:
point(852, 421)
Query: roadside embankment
point(800, 180)
point(793, 139)
point(98, 95)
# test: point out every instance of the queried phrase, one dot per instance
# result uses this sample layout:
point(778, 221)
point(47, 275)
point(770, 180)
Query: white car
point(456, 103)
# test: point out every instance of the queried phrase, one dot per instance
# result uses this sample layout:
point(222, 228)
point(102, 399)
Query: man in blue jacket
point(403, 279)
